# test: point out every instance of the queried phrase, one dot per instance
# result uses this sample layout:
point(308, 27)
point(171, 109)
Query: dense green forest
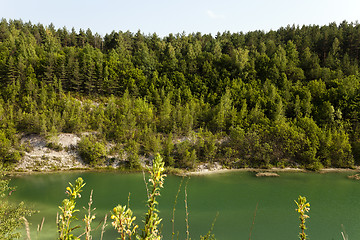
point(289, 97)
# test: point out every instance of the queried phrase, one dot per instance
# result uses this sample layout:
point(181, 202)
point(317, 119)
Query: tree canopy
point(280, 98)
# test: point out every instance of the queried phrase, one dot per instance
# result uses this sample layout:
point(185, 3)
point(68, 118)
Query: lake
point(240, 201)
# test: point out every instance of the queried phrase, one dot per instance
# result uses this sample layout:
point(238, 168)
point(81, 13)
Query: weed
point(302, 208)
point(66, 217)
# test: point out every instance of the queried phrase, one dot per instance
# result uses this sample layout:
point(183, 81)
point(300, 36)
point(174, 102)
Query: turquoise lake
point(232, 196)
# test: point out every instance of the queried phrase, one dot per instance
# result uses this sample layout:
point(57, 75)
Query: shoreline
point(272, 170)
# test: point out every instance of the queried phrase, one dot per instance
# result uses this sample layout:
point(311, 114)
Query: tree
point(91, 150)
point(165, 124)
point(170, 59)
point(223, 112)
point(336, 148)
point(168, 150)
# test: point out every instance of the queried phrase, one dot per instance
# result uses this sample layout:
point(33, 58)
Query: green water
point(335, 201)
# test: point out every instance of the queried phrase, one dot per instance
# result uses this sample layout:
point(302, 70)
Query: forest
point(284, 98)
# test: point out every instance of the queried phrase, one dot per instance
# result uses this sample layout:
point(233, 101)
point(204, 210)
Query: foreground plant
point(152, 220)
point(89, 218)
point(12, 216)
point(123, 222)
point(123, 217)
point(68, 210)
point(302, 208)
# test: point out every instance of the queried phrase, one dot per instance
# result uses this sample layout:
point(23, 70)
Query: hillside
point(284, 98)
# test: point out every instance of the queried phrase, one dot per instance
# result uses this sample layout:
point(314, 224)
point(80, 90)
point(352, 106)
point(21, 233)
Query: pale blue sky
point(170, 16)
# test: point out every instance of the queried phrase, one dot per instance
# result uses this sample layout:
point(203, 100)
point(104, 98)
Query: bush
point(91, 150)
point(315, 166)
point(12, 215)
point(8, 154)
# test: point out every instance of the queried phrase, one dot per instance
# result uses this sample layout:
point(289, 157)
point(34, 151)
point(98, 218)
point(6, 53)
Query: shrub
point(12, 215)
point(8, 154)
point(91, 150)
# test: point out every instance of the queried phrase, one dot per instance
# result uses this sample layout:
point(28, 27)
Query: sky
point(177, 16)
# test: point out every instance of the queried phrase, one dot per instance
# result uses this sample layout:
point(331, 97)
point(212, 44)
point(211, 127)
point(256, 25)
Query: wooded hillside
point(289, 97)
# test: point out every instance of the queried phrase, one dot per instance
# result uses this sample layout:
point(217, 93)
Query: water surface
point(234, 196)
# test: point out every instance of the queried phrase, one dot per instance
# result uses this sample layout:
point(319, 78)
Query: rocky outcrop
point(355, 176)
point(57, 153)
point(267, 174)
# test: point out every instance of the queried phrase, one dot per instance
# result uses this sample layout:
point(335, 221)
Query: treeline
point(282, 98)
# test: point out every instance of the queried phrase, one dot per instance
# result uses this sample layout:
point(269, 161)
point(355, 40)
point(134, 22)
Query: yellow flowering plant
point(123, 222)
point(302, 208)
point(68, 210)
point(123, 219)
